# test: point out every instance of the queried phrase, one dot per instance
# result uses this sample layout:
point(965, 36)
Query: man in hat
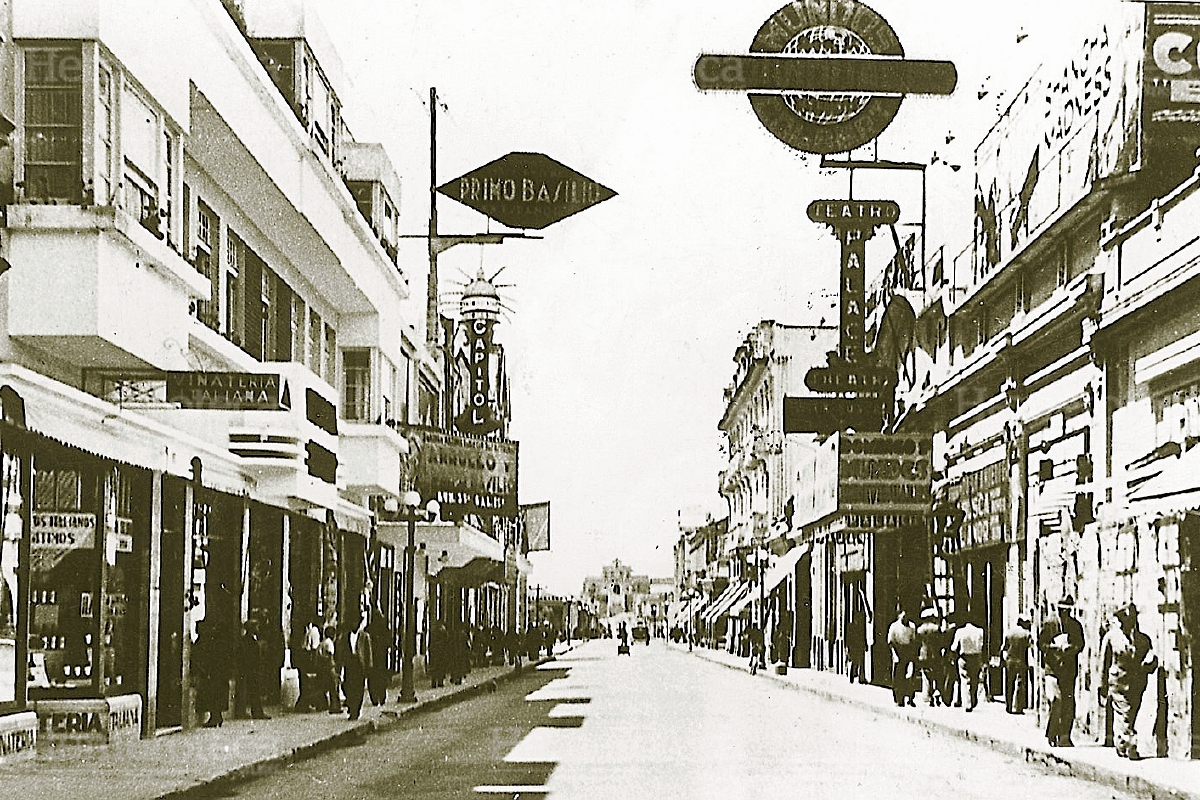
point(1016, 665)
point(1127, 659)
point(929, 653)
point(968, 646)
point(1060, 640)
point(902, 638)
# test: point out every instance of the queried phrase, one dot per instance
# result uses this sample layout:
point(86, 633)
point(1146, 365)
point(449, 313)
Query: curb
point(1049, 760)
point(206, 788)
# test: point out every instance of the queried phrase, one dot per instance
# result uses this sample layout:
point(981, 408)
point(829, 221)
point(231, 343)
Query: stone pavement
point(199, 761)
point(989, 725)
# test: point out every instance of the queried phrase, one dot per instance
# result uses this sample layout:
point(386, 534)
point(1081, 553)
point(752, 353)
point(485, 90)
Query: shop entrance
point(168, 712)
point(802, 638)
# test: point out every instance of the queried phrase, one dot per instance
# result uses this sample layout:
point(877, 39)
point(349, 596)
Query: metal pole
point(691, 619)
point(407, 693)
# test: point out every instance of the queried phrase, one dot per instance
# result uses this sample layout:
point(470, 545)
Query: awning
point(727, 599)
point(1175, 488)
point(786, 565)
point(744, 601)
point(475, 572)
point(720, 602)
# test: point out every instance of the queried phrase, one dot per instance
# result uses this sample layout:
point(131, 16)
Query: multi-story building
point(762, 488)
point(1052, 362)
point(205, 361)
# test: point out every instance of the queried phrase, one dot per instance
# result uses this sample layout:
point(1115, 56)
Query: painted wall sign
point(825, 76)
point(229, 391)
point(466, 475)
point(526, 190)
point(1075, 122)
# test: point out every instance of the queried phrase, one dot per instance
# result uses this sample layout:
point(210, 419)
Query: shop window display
point(64, 577)
point(11, 533)
point(86, 579)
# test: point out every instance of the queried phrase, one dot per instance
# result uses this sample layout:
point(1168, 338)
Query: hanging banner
point(535, 520)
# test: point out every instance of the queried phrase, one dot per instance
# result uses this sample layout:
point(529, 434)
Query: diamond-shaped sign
point(526, 190)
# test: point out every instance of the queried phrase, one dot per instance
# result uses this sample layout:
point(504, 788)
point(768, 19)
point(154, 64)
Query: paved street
point(660, 723)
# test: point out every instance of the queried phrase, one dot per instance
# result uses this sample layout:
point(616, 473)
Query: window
point(234, 312)
point(356, 393)
point(103, 190)
point(363, 192)
point(205, 262)
point(314, 341)
point(387, 389)
point(11, 610)
point(53, 124)
point(297, 325)
point(1064, 254)
point(329, 372)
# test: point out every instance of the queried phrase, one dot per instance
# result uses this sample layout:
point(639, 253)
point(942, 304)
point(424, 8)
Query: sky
point(624, 318)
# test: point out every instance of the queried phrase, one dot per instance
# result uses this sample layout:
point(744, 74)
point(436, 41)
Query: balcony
point(371, 456)
point(74, 272)
point(291, 451)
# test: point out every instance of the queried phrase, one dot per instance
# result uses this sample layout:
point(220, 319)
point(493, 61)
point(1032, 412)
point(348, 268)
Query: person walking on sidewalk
point(212, 667)
point(356, 658)
point(902, 638)
point(1060, 640)
point(306, 665)
point(329, 695)
point(251, 660)
point(754, 637)
point(1127, 658)
point(379, 677)
point(929, 655)
point(1016, 665)
point(968, 646)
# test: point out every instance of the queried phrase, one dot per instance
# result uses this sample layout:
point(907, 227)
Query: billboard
point(1074, 123)
point(884, 473)
point(465, 474)
point(535, 520)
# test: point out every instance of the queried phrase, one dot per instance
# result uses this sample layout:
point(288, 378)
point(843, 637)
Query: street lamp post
point(761, 555)
point(411, 513)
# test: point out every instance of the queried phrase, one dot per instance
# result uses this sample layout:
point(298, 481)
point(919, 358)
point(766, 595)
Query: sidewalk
point(989, 725)
point(198, 761)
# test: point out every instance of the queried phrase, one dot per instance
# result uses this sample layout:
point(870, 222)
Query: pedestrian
point(212, 667)
point(1127, 658)
point(930, 655)
point(754, 637)
point(856, 645)
point(330, 682)
point(437, 661)
point(1015, 653)
point(355, 657)
point(1060, 639)
point(968, 647)
point(459, 663)
point(532, 643)
point(251, 658)
point(902, 639)
point(949, 670)
point(379, 676)
point(306, 665)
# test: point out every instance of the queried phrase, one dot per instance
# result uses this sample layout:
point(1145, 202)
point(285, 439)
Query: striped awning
point(727, 599)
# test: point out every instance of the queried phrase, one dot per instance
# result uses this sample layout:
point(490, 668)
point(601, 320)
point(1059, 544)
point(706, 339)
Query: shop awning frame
point(730, 596)
point(786, 565)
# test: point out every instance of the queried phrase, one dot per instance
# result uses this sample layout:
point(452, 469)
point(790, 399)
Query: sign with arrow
point(526, 190)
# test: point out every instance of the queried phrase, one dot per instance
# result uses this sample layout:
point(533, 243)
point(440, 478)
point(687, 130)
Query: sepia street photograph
point(579, 400)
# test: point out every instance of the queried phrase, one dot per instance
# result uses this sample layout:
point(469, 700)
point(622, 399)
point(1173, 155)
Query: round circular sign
point(816, 122)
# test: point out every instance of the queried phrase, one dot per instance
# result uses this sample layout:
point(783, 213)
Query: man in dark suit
point(356, 659)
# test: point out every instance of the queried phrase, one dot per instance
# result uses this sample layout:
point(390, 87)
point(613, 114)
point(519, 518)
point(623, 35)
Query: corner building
point(203, 356)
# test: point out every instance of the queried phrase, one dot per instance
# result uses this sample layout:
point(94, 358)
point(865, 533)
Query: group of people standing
point(944, 657)
point(337, 669)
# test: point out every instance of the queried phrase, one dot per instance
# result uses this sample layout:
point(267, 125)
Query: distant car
point(641, 633)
